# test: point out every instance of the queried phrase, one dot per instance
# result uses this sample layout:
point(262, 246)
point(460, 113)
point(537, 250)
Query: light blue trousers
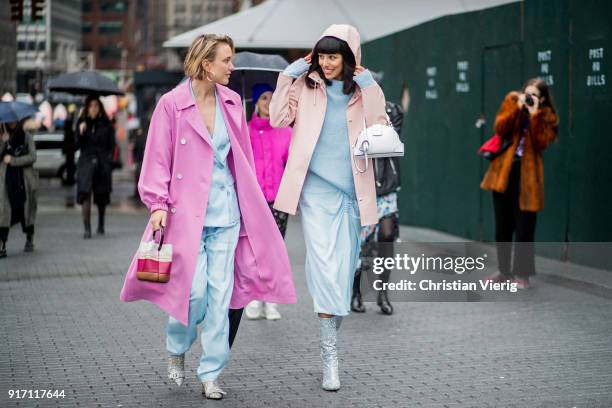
point(331, 226)
point(211, 291)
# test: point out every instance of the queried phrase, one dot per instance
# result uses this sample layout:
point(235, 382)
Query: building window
point(87, 7)
point(110, 52)
point(180, 9)
point(110, 27)
point(113, 7)
point(196, 9)
point(86, 27)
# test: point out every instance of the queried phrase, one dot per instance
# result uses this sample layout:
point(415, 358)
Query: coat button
point(173, 210)
point(179, 176)
point(183, 141)
point(261, 132)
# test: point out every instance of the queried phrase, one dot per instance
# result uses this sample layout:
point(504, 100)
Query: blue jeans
point(209, 301)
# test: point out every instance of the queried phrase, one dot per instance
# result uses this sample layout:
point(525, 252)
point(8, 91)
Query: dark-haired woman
point(18, 183)
point(516, 177)
point(327, 96)
point(96, 139)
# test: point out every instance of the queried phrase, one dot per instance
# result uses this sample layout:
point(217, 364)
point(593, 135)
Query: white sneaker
point(254, 310)
point(272, 311)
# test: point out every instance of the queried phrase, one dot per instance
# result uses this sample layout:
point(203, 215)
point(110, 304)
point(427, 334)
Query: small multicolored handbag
point(154, 260)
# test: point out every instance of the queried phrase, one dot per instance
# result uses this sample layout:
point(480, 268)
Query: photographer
point(516, 177)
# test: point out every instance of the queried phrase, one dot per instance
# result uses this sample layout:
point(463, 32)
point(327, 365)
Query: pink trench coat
point(176, 177)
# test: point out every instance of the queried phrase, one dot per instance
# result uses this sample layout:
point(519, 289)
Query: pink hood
point(346, 33)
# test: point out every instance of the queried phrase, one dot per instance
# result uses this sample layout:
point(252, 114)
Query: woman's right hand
point(158, 219)
point(308, 58)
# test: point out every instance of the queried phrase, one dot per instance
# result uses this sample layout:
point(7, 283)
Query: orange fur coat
point(541, 132)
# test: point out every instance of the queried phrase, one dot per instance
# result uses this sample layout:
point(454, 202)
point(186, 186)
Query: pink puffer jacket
point(270, 151)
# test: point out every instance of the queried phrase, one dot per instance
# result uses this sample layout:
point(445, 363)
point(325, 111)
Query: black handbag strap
point(161, 238)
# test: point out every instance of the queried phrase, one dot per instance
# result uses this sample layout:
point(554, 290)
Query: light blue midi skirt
point(331, 226)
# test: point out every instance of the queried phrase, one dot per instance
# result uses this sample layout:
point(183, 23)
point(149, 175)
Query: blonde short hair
point(203, 47)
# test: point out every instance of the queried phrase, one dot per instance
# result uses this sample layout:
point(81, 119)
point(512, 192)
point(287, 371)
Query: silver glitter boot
point(176, 369)
point(211, 390)
point(329, 354)
point(338, 320)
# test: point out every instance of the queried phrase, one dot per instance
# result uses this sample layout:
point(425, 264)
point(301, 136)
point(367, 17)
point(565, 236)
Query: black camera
point(529, 100)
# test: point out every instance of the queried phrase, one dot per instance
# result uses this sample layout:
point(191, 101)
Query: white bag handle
point(365, 145)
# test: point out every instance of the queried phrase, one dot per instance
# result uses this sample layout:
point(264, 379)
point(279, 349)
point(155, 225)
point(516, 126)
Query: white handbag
point(375, 142)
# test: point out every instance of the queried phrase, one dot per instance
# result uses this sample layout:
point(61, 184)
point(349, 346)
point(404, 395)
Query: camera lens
point(529, 100)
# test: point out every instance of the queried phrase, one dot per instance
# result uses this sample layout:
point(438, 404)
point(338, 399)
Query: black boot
point(386, 250)
point(356, 302)
point(101, 215)
point(383, 303)
point(86, 208)
point(29, 245)
point(2, 249)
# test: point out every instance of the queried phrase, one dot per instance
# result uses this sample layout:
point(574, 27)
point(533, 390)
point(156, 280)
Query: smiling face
point(220, 69)
point(263, 104)
point(332, 65)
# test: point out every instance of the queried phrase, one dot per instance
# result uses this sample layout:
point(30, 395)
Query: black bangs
point(332, 45)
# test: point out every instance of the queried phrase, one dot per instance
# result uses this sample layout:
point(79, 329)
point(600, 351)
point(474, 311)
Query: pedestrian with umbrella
point(252, 73)
point(18, 178)
point(95, 138)
point(270, 151)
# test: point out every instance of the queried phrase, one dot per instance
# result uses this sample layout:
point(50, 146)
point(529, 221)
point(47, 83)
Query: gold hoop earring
point(208, 76)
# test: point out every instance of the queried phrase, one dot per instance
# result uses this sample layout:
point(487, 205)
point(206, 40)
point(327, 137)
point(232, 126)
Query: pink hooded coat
point(176, 177)
point(294, 102)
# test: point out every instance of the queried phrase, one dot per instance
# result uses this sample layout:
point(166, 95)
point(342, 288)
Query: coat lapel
point(232, 114)
point(186, 103)
point(192, 115)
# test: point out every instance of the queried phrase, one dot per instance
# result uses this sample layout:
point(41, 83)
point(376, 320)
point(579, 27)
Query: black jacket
point(387, 170)
point(97, 144)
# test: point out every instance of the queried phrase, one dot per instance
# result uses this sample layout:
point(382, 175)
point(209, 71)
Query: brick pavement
point(64, 328)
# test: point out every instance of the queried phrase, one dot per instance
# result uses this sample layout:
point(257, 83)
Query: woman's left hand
point(7, 159)
point(358, 70)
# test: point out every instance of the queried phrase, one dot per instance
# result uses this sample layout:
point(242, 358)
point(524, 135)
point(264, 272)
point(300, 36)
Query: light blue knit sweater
point(331, 159)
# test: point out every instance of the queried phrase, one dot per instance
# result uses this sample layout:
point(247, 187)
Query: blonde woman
point(198, 181)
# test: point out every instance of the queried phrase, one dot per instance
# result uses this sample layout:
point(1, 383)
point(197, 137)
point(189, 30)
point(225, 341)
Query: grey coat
point(30, 176)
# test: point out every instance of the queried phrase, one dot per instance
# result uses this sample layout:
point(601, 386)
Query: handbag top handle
point(161, 238)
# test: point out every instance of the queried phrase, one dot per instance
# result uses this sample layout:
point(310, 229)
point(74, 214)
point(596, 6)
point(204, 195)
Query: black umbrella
point(252, 68)
point(84, 83)
point(15, 111)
